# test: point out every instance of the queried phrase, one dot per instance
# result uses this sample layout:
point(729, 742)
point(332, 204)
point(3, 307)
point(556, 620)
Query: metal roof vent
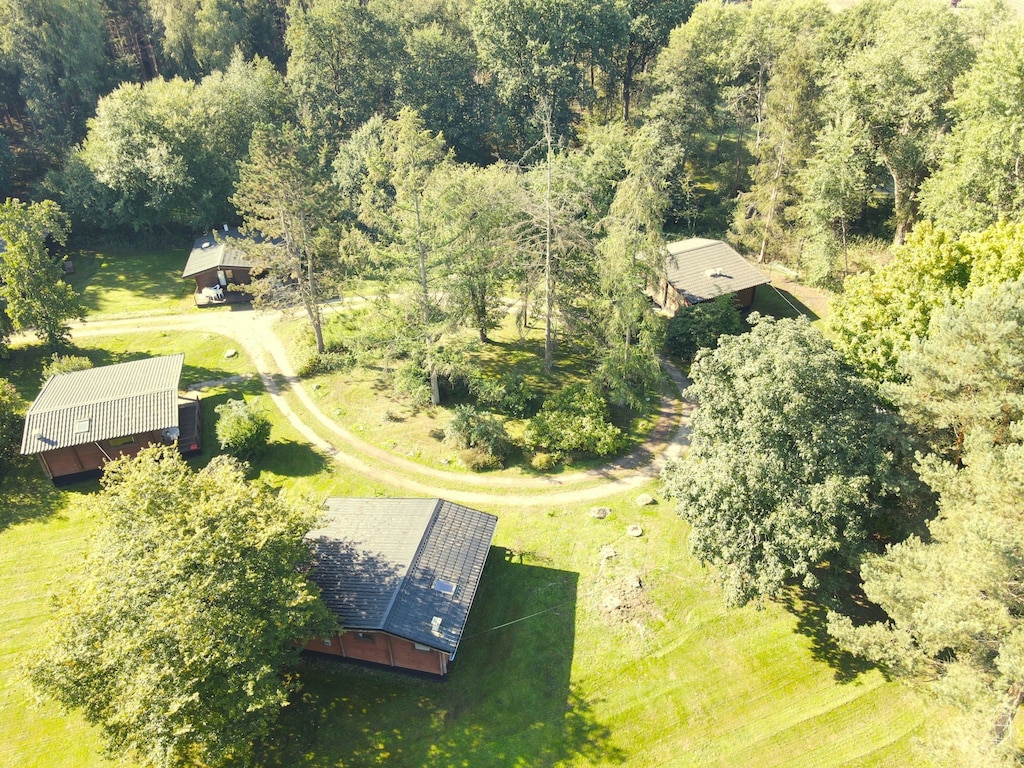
point(435, 625)
point(715, 272)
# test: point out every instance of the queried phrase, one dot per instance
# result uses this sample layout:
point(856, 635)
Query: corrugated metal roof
point(702, 269)
point(103, 403)
point(387, 564)
point(215, 251)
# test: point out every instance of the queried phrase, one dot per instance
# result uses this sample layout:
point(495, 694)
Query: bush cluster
point(481, 434)
point(573, 421)
point(509, 394)
point(243, 429)
point(700, 326)
point(324, 362)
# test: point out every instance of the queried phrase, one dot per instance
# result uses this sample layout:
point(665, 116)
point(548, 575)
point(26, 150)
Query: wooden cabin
point(82, 419)
point(216, 261)
point(699, 270)
point(400, 576)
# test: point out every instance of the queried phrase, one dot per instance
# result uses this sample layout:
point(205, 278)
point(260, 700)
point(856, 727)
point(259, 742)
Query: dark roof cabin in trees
point(699, 270)
point(217, 261)
point(400, 575)
point(83, 419)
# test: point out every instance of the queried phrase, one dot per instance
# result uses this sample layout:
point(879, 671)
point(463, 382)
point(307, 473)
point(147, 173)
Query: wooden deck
point(190, 425)
point(230, 297)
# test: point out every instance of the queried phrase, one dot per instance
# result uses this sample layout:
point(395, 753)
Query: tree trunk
point(548, 281)
point(421, 250)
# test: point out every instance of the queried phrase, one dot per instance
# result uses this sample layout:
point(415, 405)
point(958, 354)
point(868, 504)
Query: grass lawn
point(586, 647)
point(124, 284)
point(573, 656)
point(567, 661)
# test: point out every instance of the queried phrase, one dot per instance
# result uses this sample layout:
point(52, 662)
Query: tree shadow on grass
point(508, 701)
point(26, 494)
point(291, 459)
point(812, 622)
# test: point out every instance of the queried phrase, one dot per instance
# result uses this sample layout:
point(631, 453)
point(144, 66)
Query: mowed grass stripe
point(843, 734)
point(742, 684)
point(34, 557)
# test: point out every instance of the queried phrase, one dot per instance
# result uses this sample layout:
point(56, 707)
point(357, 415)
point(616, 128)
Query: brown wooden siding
point(383, 649)
point(89, 457)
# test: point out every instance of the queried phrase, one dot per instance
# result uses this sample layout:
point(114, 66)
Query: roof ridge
point(412, 562)
point(86, 403)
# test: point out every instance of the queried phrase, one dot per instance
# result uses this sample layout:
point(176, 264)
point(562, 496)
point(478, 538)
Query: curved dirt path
point(253, 331)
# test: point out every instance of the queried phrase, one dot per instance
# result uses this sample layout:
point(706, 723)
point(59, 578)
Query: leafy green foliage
point(899, 71)
point(342, 58)
point(699, 326)
point(65, 364)
point(469, 428)
point(243, 428)
point(790, 461)
point(978, 178)
point(185, 613)
point(168, 152)
point(57, 48)
point(538, 49)
point(966, 377)
point(11, 424)
point(285, 195)
point(575, 420)
point(33, 293)
point(879, 314)
point(510, 394)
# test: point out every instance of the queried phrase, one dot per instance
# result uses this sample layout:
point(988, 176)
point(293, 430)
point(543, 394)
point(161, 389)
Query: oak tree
point(185, 613)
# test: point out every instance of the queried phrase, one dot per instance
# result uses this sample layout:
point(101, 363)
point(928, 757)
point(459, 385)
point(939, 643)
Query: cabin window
point(327, 642)
point(117, 442)
point(229, 274)
point(422, 647)
point(365, 637)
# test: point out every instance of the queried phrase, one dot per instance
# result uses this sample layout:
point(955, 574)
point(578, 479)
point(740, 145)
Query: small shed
point(400, 575)
point(82, 419)
point(216, 261)
point(699, 270)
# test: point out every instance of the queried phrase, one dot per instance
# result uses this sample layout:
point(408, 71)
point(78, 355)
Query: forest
point(465, 152)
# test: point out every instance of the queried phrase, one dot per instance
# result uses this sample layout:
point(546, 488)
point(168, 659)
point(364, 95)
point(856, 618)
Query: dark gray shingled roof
point(378, 563)
point(103, 403)
point(209, 252)
point(703, 269)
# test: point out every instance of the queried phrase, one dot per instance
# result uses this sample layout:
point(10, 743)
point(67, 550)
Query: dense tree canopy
point(288, 205)
point(33, 294)
point(167, 153)
point(791, 461)
point(879, 313)
point(979, 179)
point(954, 600)
point(184, 613)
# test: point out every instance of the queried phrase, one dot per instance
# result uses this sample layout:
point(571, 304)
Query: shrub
point(410, 380)
point(480, 431)
point(700, 326)
point(542, 461)
point(243, 429)
point(325, 362)
point(479, 460)
point(65, 364)
point(509, 394)
point(11, 424)
point(573, 421)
